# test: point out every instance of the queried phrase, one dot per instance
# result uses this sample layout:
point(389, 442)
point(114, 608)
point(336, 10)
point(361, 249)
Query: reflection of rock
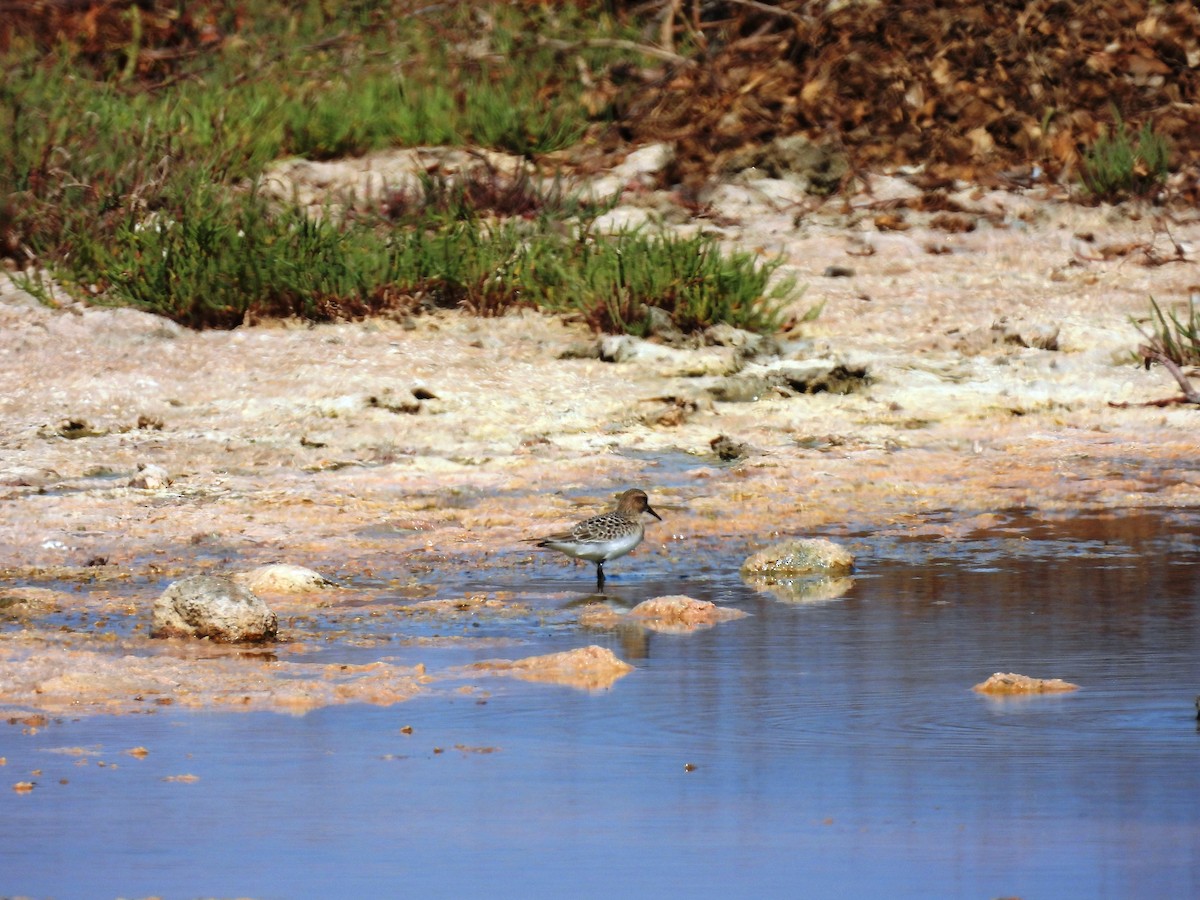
point(792, 559)
point(281, 578)
point(213, 607)
point(589, 668)
point(1012, 683)
point(808, 589)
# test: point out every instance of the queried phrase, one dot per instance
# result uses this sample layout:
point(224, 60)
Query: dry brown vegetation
point(963, 88)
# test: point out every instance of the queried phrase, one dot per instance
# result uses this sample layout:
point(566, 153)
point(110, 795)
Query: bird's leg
point(600, 575)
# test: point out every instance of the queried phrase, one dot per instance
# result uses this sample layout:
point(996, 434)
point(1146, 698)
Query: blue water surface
point(809, 750)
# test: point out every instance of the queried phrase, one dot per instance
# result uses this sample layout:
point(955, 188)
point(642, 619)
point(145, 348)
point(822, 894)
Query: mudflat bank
point(951, 373)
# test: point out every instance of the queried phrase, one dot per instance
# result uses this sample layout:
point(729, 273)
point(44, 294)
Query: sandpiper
point(606, 536)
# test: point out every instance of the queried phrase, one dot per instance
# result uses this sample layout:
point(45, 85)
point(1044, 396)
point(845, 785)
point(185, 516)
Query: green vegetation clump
point(1171, 336)
point(1120, 164)
point(130, 150)
point(1173, 342)
point(219, 261)
point(690, 279)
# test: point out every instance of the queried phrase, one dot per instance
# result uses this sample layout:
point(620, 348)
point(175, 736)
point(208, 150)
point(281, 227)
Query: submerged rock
point(789, 559)
point(679, 613)
point(589, 668)
point(1012, 683)
point(213, 607)
point(27, 602)
point(675, 614)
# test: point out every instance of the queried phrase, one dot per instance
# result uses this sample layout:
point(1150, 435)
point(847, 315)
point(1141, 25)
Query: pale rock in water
point(213, 607)
point(789, 559)
point(282, 578)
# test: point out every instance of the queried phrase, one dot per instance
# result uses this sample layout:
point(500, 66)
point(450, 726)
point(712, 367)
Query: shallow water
point(815, 750)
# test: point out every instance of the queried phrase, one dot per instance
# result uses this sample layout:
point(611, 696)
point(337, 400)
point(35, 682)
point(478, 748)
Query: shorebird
point(605, 536)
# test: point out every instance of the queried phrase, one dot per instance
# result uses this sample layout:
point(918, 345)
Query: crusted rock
point(674, 614)
point(789, 559)
point(213, 607)
point(682, 613)
point(1012, 683)
point(283, 579)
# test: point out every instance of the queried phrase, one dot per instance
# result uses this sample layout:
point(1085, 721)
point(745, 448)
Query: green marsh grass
point(218, 262)
point(1120, 164)
point(128, 172)
point(1173, 335)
